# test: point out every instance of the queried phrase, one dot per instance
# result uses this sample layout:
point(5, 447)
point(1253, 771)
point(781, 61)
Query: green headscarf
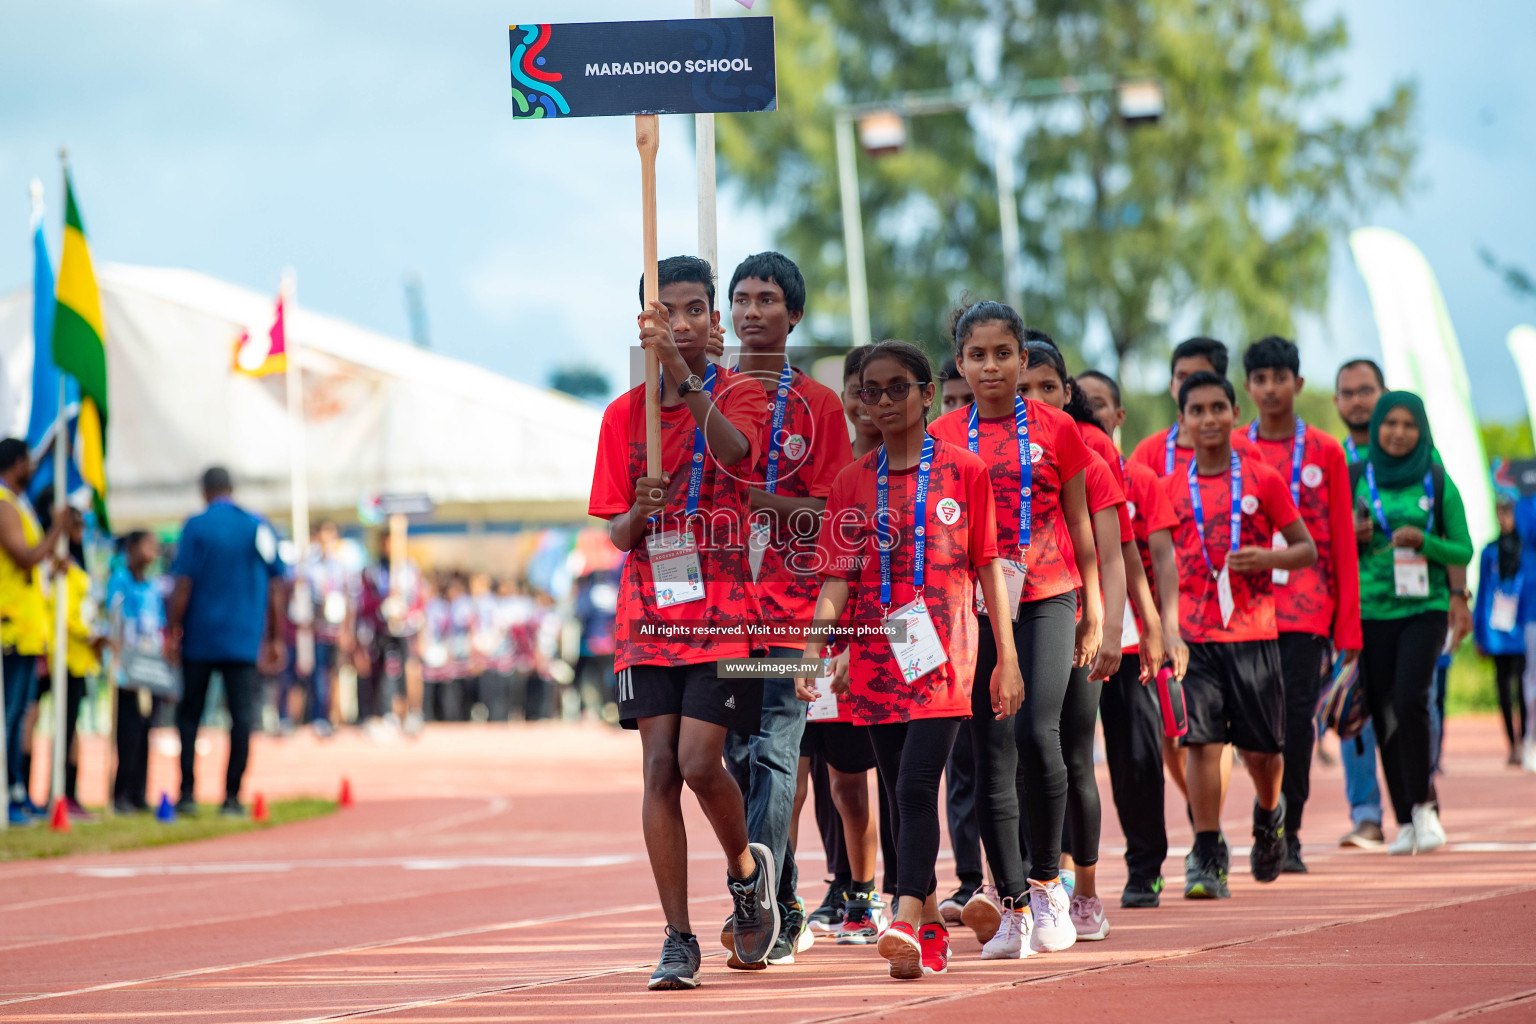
point(1392, 471)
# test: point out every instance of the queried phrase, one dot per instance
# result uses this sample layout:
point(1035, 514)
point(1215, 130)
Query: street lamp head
point(1141, 103)
point(882, 133)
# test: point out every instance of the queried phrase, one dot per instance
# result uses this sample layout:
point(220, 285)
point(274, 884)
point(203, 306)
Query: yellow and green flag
point(79, 348)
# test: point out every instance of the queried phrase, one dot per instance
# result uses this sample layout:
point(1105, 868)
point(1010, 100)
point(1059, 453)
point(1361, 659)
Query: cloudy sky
point(357, 142)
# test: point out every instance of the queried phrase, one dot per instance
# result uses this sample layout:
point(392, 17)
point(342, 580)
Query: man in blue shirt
point(225, 615)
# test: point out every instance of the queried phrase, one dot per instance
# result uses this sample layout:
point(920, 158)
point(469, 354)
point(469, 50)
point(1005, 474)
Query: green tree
point(1225, 210)
point(579, 382)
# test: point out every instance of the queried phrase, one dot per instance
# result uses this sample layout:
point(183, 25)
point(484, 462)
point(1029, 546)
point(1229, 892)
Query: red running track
point(498, 874)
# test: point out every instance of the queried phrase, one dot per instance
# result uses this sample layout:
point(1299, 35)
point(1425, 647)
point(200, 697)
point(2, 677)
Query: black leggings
point(1398, 666)
point(912, 756)
point(1079, 714)
point(1507, 671)
point(1044, 636)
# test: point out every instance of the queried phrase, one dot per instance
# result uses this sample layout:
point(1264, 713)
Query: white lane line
point(531, 922)
point(347, 864)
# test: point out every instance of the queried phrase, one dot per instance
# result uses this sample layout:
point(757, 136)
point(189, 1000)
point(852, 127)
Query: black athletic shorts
point(692, 691)
point(1235, 693)
point(843, 745)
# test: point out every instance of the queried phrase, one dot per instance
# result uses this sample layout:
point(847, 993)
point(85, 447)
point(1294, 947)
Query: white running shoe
point(983, 914)
point(1405, 843)
point(1012, 939)
point(1088, 918)
point(1428, 833)
point(1528, 759)
point(1049, 905)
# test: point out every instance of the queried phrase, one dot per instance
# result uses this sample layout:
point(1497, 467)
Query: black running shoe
point(953, 905)
point(755, 925)
point(1140, 893)
point(1205, 878)
point(728, 940)
point(1268, 854)
point(792, 931)
point(679, 965)
point(828, 917)
point(1294, 865)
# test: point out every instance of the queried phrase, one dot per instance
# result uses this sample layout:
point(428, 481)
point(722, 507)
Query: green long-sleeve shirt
point(1450, 544)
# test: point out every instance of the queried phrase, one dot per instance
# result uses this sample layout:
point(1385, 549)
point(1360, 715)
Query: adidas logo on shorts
point(730, 702)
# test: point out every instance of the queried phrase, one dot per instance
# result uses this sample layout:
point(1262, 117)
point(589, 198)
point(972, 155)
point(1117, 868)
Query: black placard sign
point(609, 68)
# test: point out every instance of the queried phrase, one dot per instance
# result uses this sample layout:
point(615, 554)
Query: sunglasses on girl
point(897, 391)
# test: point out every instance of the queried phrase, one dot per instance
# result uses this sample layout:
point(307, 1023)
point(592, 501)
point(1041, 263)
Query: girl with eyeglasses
point(1037, 461)
point(910, 529)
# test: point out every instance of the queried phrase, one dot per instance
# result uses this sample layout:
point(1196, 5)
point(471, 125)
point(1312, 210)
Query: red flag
point(257, 357)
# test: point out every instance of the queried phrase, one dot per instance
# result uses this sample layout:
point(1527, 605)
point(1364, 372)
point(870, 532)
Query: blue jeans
point(318, 686)
point(765, 764)
point(1360, 785)
point(20, 692)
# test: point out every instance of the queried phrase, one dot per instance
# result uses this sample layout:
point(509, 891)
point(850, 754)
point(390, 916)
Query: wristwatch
point(692, 383)
point(1463, 593)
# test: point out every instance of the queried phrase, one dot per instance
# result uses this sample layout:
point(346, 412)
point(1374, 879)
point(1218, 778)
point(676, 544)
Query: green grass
point(135, 831)
point(1469, 686)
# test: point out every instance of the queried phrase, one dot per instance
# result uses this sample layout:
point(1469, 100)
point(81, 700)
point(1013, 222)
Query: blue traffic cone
point(166, 812)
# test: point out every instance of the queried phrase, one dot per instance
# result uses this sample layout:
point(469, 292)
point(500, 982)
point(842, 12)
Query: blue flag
point(45, 374)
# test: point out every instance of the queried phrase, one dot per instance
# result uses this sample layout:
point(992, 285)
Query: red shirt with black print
point(719, 528)
point(961, 537)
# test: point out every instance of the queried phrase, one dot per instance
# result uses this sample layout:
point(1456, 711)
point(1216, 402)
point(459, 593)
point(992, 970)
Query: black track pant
point(1507, 670)
point(960, 811)
point(1302, 657)
point(1398, 666)
point(240, 694)
point(1079, 713)
point(1007, 752)
point(829, 823)
point(912, 756)
point(1133, 746)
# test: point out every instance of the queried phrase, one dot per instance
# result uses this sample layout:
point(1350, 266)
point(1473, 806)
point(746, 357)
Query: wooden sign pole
point(647, 132)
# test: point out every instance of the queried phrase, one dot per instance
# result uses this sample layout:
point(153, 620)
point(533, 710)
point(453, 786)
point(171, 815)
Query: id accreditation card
point(921, 652)
point(1410, 573)
point(1013, 586)
point(824, 707)
point(675, 568)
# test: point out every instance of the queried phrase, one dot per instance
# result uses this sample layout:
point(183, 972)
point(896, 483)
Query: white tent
point(381, 415)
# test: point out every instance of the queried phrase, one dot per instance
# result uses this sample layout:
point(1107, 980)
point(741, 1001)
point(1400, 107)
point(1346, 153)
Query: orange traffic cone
point(60, 820)
point(345, 799)
point(259, 810)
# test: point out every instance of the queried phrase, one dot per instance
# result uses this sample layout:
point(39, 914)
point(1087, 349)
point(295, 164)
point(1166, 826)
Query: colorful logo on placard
point(539, 97)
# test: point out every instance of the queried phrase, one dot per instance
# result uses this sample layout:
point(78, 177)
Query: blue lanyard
point(696, 464)
point(1168, 446)
point(1381, 513)
point(1298, 450)
point(776, 436)
point(1351, 450)
point(919, 521)
point(1026, 468)
point(1197, 507)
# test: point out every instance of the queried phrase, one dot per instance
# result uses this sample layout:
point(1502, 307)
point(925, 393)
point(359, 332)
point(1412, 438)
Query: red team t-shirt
point(1266, 507)
point(1323, 598)
point(814, 447)
point(961, 537)
point(719, 529)
point(1057, 454)
point(1150, 511)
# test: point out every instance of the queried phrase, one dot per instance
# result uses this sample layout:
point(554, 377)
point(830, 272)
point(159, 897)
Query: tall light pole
point(1140, 102)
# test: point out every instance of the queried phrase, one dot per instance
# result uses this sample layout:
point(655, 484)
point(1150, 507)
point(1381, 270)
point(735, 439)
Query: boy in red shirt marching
point(1316, 608)
point(686, 569)
point(1229, 509)
point(802, 447)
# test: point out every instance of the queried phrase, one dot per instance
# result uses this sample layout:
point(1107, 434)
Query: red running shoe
point(934, 938)
point(900, 946)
